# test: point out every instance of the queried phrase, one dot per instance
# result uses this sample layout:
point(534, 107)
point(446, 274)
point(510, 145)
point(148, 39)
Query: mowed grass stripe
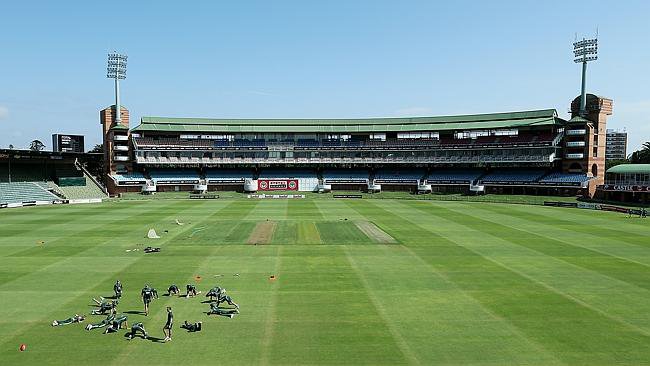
point(286, 232)
point(341, 232)
point(590, 240)
point(383, 313)
point(573, 332)
point(635, 273)
point(308, 233)
point(52, 222)
point(268, 209)
point(579, 224)
point(305, 209)
point(187, 267)
point(95, 234)
point(446, 309)
point(83, 283)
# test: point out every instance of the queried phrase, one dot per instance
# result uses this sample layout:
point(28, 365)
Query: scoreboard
point(67, 143)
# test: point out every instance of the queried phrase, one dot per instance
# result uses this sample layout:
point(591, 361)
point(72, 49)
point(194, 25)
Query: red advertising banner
point(277, 185)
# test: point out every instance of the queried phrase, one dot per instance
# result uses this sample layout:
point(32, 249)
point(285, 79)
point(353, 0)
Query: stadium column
point(590, 158)
point(117, 146)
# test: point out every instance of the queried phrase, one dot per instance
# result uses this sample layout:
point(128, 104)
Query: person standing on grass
point(117, 288)
point(147, 295)
point(167, 329)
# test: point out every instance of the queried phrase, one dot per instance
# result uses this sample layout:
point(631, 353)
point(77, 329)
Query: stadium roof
point(439, 123)
point(630, 169)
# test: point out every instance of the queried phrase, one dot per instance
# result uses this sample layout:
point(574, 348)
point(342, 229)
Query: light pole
point(117, 70)
point(584, 51)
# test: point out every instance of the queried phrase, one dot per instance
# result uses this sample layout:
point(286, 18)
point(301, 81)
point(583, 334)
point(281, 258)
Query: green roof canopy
point(440, 123)
point(630, 169)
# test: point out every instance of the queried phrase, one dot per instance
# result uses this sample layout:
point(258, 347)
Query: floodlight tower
point(117, 70)
point(584, 51)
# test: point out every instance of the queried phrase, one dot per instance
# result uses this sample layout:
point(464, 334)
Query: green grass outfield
point(460, 282)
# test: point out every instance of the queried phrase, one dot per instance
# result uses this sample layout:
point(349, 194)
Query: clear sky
point(326, 59)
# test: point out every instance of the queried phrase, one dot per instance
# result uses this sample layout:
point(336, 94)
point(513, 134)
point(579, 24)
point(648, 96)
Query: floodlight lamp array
point(116, 66)
point(583, 49)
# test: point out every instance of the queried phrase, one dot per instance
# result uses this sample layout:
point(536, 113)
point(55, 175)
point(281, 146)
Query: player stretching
point(216, 310)
point(215, 293)
point(105, 322)
point(191, 291)
point(137, 328)
point(196, 327)
point(173, 290)
point(227, 299)
point(73, 319)
point(117, 324)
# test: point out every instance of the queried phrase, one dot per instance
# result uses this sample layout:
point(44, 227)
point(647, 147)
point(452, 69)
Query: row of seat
point(19, 192)
point(544, 139)
point(362, 175)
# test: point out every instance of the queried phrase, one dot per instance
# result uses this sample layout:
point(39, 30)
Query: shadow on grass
point(135, 312)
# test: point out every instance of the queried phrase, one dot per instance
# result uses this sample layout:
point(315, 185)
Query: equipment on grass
point(22, 347)
point(179, 223)
point(152, 234)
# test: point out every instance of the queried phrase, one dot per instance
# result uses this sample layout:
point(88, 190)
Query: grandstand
point(514, 150)
point(41, 177)
point(26, 193)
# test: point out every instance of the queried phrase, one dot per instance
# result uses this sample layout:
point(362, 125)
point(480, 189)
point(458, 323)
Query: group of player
point(114, 322)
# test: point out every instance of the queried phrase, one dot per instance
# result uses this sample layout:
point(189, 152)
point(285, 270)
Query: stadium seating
point(399, 175)
point(519, 175)
point(454, 175)
point(135, 176)
point(345, 175)
point(228, 175)
point(19, 192)
point(88, 191)
point(174, 176)
point(564, 178)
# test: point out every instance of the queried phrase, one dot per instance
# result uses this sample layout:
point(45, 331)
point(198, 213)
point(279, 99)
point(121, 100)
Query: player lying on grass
point(135, 329)
point(215, 293)
point(117, 288)
point(216, 310)
point(103, 323)
point(173, 290)
point(191, 291)
point(147, 294)
point(105, 307)
point(73, 319)
point(195, 327)
point(151, 250)
point(227, 299)
point(117, 324)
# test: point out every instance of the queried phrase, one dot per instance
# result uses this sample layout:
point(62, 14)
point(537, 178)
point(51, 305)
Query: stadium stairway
point(88, 191)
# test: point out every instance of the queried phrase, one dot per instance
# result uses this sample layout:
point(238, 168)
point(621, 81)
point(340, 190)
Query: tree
point(641, 156)
point(36, 145)
point(611, 163)
point(11, 146)
point(99, 148)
